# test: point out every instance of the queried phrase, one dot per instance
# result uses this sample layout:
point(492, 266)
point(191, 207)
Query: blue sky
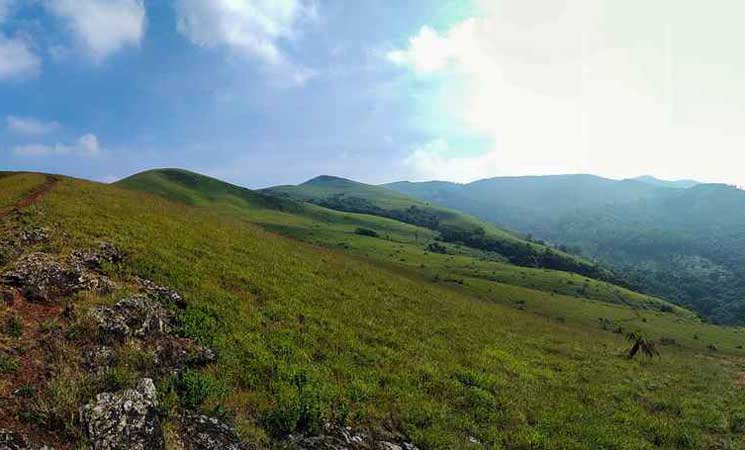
point(263, 92)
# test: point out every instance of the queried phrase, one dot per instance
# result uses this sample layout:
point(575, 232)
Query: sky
point(266, 92)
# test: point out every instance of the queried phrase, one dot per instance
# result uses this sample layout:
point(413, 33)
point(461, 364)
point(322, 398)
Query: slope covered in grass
point(451, 226)
point(307, 335)
point(392, 242)
point(682, 241)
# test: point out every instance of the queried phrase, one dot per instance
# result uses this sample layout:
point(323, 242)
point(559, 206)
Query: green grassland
point(356, 331)
point(15, 185)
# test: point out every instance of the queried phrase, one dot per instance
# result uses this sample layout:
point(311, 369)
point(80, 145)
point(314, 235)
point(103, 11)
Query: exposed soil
point(32, 197)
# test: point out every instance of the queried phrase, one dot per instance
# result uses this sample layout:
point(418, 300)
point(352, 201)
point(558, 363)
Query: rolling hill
point(451, 225)
point(314, 325)
point(684, 244)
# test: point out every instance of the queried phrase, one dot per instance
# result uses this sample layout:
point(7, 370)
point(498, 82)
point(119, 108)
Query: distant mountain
point(680, 184)
point(452, 226)
point(685, 244)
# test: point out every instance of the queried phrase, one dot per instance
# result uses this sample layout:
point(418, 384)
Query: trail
point(33, 196)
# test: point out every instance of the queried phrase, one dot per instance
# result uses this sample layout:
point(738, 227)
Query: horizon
point(638, 178)
point(262, 93)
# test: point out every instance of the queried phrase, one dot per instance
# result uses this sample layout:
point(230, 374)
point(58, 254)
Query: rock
point(345, 438)
point(41, 277)
point(174, 354)
point(198, 432)
point(163, 294)
point(16, 441)
point(98, 359)
point(135, 316)
point(32, 236)
point(125, 420)
point(94, 259)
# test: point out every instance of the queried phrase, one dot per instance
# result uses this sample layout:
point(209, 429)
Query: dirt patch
point(32, 197)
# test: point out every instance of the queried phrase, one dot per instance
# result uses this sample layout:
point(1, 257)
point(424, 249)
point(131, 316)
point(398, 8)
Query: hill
point(451, 225)
point(684, 244)
point(306, 338)
point(680, 184)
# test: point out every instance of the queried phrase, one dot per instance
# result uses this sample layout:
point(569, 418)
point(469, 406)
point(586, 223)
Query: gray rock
point(94, 259)
point(345, 438)
point(41, 277)
point(198, 432)
point(98, 359)
point(135, 316)
point(32, 236)
point(173, 354)
point(15, 441)
point(126, 420)
point(161, 293)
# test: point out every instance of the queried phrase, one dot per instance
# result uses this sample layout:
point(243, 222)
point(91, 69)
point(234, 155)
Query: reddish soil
point(33, 196)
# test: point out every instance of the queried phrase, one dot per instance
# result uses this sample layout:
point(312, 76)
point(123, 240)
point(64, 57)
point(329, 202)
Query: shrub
point(8, 364)
point(366, 232)
point(13, 327)
point(195, 387)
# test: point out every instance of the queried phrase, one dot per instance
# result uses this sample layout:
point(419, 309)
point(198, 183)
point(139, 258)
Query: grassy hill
point(684, 244)
point(307, 334)
point(451, 225)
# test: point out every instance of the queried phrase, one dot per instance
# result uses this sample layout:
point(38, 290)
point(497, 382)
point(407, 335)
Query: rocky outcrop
point(132, 317)
point(41, 277)
point(15, 441)
point(173, 354)
point(345, 438)
point(126, 420)
point(161, 293)
point(95, 258)
point(198, 432)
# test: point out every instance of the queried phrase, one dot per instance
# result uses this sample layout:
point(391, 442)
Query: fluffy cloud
point(252, 27)
point(572, 86)
point(86, 146)
point(102, 27)
point(30, 126)
point(17, 59)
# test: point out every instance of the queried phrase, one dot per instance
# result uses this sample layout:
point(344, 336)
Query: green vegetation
point(367, 331)
point(346, 195)
point(678, 240)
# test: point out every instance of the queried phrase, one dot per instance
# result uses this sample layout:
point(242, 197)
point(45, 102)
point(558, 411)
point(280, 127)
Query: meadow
point(313, 322)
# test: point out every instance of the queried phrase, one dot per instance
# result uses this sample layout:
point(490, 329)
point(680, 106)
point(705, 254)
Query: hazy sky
point(264, 92)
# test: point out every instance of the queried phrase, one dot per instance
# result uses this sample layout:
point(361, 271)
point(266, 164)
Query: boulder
point(41, 277)
point(95, 258)
point(135, 316)
point(10, 440)
point(345, 438)
point(125, 420)
point(98, 359)
point(173, 354)
point(161, 293)
point(198, 432)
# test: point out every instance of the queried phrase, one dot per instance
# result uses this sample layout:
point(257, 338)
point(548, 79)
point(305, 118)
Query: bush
point(194, 388)
point(8, 364)
point(366, 232)
point(13, 327)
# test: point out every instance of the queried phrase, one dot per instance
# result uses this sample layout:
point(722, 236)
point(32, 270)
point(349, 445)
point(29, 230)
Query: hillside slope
point(306, 336)
point(684, 244)
point(451, 225)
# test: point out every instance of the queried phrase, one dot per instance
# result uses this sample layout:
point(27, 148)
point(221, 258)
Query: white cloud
point(17, 60)
point(102, 27)
point(252, 27)
point(606, 87)
point(31, 126)
point(86, 146)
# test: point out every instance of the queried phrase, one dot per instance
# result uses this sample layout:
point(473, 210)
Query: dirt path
point(32, 197)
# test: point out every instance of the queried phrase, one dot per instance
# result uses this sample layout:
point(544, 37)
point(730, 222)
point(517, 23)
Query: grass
point(15, 185)
point(308, 333)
